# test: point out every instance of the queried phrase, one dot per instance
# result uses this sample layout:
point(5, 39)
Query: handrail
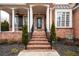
point(46, 31)
point(48, 36)
point(32, 29)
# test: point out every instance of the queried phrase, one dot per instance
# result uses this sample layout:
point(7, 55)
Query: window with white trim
point(63, 19)
point(19, 22)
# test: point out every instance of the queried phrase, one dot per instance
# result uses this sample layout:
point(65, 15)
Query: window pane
point(63, 19)
point(16, 22)
point(20, 22)
point(58, 18)
point(58, 21)
point(67, 18)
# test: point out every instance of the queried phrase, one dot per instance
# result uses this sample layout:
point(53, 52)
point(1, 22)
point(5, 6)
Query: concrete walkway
point(38, 53)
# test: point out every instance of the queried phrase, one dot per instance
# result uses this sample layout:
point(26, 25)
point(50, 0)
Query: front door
point(39, 23)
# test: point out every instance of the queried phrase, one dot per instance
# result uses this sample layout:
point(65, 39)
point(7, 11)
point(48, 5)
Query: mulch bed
point(14, 49)
point(63, 48)
point(10, 49)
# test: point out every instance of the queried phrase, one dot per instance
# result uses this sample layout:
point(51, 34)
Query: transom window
point(63, 19)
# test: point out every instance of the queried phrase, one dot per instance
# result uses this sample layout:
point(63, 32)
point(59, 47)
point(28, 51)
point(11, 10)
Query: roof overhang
point(75, 7)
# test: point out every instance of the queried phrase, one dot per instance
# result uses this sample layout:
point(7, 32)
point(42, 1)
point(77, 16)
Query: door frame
point(35, 21)
point(40, 22)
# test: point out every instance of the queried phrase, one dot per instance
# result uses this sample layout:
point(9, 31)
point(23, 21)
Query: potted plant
point(69, 39)
point(52, 34)
point(25, 35)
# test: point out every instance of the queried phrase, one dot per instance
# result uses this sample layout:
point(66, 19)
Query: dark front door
point(39, 23)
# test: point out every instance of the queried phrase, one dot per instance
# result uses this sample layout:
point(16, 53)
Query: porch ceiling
point(20, 8)
point(13, 6)
point(39, 10)
point(21, 11)
point(17, 11)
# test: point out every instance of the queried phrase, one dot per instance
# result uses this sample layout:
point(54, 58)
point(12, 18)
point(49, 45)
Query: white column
point(31, 18)
point(28, 20)
point(13, 20)
point(50, 18)
point(70, 18)
point(47, 18)
point(0, 20)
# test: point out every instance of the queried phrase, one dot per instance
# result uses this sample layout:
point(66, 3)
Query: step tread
point(38, 36)
point(39, 48)
point(38, 45)
point(38, 42)
point(39, 39)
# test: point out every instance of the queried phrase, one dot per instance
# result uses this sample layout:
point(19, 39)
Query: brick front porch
point(38, 41)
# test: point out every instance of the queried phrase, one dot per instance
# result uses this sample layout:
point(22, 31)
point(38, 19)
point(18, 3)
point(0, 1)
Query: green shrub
point(4, 26)
point(53, 33)
point(14, 50)
point(70, 53)
point(25, 35)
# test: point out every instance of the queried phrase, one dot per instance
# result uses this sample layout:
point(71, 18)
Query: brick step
point(46, 48)
point(39, 30)
point(38, 42)
point(38, 36)
point(39, 39)
point(38, 47)
point(40, 50)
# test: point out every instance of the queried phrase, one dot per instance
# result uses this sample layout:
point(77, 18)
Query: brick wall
point(63, 32)
point(76, 22)
point(17, 36)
